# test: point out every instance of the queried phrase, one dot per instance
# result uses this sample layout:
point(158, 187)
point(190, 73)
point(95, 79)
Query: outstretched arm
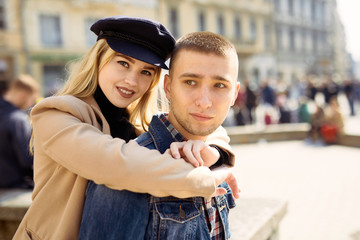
point(68, 141)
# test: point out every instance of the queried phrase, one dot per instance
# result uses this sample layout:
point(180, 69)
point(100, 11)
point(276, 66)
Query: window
point(291, 7)
point(322, 12)
point(314, 41)
point(313, 10)
point(304, 40)
point(267, 36)
point(90, 36)
point(277, 6)
point(201, 21)
point(237, 29)
point(6, 69)
point(302, 8)
point(253, 30)
point(279, 43)
point(50, 30)
point(220, 24)
point(174, 22)
point(54, 76)
point(2, 14)
point(291, 40)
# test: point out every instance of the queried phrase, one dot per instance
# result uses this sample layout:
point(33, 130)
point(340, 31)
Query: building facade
point(42, 37)
point(11, 40)
point(309, 39)
point(248, 24)
point(277, 39)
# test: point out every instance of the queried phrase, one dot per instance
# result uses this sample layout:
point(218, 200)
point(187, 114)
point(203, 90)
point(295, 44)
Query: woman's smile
point(126, 93)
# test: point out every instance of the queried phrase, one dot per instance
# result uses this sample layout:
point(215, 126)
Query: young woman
point(84, 132)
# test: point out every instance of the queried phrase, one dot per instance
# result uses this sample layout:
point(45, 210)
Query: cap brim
point(136, 51)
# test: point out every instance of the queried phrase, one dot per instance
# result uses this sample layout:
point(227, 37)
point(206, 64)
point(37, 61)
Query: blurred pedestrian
point(250, 100)
point(333, 126)
point(239, 107)
point(330, 88)
point(316, 122)
point(349, 90)
point(311, 90)
point(268, 94)
point(303, 110)
point(16, 162)
point(3, 87)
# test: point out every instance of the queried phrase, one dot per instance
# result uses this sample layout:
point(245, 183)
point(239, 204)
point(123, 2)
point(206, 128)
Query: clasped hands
point(198, 153)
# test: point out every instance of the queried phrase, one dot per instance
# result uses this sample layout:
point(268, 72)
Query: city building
point(275, 39)
point(248, 24)
point(309, 39)
point(12, 51)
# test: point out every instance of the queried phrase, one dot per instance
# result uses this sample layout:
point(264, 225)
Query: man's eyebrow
point(221, 78)
point(190, 75)
point(194, 75)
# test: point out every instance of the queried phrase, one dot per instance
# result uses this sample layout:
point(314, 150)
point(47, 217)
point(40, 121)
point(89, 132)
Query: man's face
point(201, 88)
point(27, 99)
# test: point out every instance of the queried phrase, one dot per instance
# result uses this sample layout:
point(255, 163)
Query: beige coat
point(71, 147)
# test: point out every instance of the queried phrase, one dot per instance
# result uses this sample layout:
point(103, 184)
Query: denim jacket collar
point(160, 133)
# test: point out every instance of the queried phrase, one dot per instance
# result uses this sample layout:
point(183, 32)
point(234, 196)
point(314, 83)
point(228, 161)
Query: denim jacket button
point(182, 213)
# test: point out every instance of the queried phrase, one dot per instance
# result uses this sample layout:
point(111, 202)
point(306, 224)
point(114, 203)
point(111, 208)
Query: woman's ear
point(167, 83)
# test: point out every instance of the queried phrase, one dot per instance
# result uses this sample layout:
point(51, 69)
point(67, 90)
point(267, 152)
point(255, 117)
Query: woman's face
point(124, 79)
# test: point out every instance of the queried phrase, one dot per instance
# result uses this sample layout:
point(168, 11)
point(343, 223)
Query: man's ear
point(167, 83)
point(237, 87)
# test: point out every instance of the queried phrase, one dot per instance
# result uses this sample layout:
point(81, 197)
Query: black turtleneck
point(118, 118)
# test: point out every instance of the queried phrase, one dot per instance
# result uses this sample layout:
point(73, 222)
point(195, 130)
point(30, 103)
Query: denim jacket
point(111, 214)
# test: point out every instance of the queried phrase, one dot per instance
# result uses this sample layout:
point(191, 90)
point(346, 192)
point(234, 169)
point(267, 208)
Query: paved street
point(321, 185)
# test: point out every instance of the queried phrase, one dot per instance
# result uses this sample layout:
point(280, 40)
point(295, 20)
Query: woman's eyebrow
point(132, 60)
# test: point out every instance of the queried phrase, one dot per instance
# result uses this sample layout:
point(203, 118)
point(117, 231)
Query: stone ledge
point(256, 218)
point(251, 219)
point(276, 132)
point(13, 205)
point(281, 132)
point(350, 140)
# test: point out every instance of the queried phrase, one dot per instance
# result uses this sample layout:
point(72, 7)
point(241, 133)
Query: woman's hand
point(195, 152)
point(223, 174)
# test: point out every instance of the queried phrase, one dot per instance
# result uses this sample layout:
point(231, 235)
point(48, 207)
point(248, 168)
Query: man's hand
point(195, 152)
point(223, 174)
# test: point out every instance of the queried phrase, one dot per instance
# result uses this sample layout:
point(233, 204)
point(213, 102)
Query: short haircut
point(204, 42)
point(26, 83)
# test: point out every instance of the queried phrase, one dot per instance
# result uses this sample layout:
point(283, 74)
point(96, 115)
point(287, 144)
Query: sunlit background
point(277, 40)
point(299, 50)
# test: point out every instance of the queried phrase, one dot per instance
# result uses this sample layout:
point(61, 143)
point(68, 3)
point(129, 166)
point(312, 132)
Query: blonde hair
point(83, 81)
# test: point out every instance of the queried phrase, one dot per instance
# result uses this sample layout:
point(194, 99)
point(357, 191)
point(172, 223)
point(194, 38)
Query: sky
point(349, 11)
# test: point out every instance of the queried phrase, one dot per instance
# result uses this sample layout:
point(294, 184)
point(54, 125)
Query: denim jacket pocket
point(178, 211)
point(179, 219)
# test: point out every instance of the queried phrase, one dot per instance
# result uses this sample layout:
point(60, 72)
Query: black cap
point(140, 38)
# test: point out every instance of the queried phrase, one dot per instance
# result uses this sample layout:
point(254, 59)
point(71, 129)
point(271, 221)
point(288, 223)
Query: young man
point(15, 130)
point(201, 87)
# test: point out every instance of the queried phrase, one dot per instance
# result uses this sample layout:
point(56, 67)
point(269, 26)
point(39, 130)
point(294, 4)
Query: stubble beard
point(191, 129)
